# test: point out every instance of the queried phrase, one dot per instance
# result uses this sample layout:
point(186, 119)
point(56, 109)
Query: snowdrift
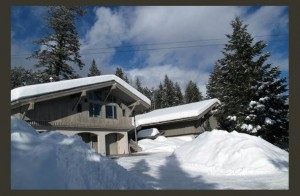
point(163, 144)
point(220, 152)
point(55, 161)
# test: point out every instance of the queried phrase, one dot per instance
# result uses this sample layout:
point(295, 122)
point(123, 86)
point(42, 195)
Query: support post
point(133, 106)
point(30, 107)
point(114, 86)
point(134, 126)
point(83, 93)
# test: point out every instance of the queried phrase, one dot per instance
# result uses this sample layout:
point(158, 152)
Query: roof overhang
point(120, 91)
point(193, 118)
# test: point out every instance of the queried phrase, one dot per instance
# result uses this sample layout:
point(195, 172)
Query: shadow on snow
point(170, 176)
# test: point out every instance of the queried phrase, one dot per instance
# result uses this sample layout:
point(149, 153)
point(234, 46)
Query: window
point(94, 110)
point(124, 112)
point(111, 111)
point(79, 108)
point(93, 96)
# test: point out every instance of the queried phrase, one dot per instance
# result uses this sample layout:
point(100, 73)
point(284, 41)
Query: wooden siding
point(207, 123)
point(63, 112)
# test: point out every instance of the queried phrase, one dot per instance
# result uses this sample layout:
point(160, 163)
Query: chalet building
point(187, 119)
point(98, 109)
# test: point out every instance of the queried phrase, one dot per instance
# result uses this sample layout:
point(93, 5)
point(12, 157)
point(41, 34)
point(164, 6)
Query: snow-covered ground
point(54, 161)
point(214, 160)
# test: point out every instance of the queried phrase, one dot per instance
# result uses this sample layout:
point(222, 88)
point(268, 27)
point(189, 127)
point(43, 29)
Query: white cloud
point(161, 24)
point(157, 24)
point(271, 20)
point(179, 23)
point(175, 23)
point(267, 20)
point(108, 31)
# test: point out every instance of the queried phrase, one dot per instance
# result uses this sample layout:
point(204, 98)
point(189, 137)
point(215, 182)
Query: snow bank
point(39, 89)
point(163, 144)
point(219, 152)
point(147, 133)
point(175, 113)
point(55, 161)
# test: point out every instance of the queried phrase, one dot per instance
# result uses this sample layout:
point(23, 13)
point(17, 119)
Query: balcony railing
point(109, 125)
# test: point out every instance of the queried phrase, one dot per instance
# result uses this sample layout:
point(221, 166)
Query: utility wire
point(163, 43)
point(152, 49)
point(199, 40)
point(147, 49)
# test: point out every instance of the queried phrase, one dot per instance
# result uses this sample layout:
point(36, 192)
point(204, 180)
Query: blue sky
point(149, 42)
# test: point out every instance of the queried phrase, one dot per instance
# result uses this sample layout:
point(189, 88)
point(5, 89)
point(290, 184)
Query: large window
point(94, 110)
point(111, 111)
point(93, 96)
point(79, 108)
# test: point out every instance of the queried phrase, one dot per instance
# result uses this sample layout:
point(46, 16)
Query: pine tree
point(126, 79)
point(248, 89)
point(94, 71)
point(138, 85)
point(192, 93)
point(20, 76)
point(159, 96)
point(168, 93)
point(268, 112)
point(178, 95)
point(150, 93)
point(214, 84)
point(23, 77)
point(144, 90)
point(120, 74)
point(61, 43)
point(235, 74)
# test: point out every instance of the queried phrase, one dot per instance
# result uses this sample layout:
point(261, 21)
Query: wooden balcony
point(107, 124)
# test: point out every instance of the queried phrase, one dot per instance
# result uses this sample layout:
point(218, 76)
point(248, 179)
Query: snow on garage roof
point(45, 88)
point(174, 113)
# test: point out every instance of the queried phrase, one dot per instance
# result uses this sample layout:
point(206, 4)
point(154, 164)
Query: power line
point(147, 49)
point(162, 43)
point(150, 49)
point(198, 40)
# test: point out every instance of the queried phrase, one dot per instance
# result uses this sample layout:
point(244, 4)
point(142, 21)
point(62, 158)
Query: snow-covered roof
point(175, 113)
point(45, 88)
